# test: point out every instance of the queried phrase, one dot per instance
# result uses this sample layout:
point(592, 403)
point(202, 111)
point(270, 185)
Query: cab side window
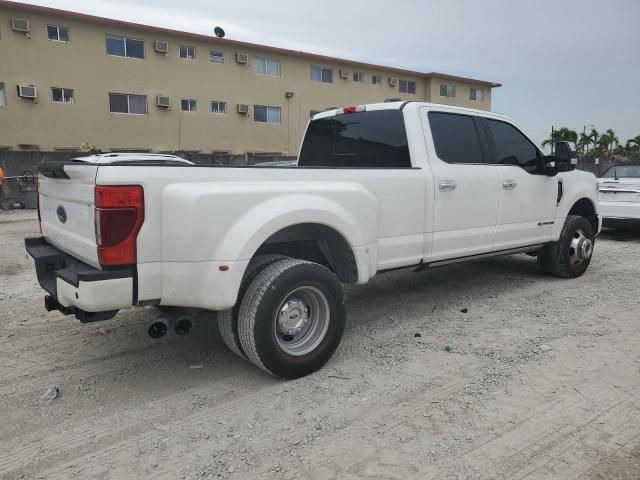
point(455, 138)
point(513, 148)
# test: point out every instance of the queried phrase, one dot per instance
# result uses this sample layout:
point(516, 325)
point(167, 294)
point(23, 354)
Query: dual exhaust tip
point(180, 325)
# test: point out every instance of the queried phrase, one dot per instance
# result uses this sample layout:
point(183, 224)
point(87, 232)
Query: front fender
point(576, 186)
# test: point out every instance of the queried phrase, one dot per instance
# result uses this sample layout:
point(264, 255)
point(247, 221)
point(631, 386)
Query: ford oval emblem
point(62, 214)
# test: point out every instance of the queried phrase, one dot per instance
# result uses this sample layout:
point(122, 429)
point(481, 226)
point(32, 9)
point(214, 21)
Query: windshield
point(622, 171)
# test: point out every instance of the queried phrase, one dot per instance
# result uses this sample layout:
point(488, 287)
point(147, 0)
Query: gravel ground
point(542, 380)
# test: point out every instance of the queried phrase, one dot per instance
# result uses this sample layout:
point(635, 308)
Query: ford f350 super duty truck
point(376, 188)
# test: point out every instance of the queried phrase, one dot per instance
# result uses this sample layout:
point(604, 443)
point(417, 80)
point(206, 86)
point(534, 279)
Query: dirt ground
point(542, 381)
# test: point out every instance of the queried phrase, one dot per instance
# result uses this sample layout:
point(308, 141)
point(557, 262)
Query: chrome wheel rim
point(302, 320)
point(580, 248)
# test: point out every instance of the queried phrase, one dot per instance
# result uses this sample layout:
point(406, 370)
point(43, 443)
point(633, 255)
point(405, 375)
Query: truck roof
point(401, 104)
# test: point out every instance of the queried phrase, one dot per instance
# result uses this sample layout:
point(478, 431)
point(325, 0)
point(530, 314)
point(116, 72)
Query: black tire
point(228, 319)
point(559, 258)
point(263, 302)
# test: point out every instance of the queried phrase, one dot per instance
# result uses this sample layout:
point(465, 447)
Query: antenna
point(219, 32)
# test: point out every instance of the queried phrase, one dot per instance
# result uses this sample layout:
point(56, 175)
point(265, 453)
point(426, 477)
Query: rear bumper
point(77, 288)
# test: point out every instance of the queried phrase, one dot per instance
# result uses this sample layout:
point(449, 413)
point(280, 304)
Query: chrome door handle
point(447, 185)
point(509, 184)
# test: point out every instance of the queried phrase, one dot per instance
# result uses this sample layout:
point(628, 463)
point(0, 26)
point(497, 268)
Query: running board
point(485, 255)
point(441, 263)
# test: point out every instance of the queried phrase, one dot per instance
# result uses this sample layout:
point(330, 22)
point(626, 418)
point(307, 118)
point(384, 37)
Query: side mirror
point(565, 158)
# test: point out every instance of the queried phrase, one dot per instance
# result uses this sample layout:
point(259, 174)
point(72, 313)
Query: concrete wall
point(83, 65)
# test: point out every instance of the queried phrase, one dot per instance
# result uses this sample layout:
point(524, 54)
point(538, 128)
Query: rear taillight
point(119, 216)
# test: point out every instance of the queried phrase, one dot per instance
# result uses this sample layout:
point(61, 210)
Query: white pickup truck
point(376, 188)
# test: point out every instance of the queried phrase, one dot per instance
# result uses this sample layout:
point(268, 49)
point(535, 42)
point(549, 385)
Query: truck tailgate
point(66, 196)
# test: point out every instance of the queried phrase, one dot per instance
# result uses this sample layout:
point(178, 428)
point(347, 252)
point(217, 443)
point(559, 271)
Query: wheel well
point(316, 243)
point(584, 208)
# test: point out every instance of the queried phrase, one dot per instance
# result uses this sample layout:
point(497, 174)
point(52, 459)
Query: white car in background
point(619, 195)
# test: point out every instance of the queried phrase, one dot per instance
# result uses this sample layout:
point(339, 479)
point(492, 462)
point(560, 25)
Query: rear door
point(466, 193)
point(527, 196)
point(66, 196)
point(371, 147)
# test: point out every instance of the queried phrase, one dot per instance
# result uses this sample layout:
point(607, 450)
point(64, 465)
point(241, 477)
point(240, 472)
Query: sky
point(566, 63)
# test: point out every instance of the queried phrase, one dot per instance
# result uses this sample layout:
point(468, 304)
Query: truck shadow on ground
point(626, 234)
point(405, 296)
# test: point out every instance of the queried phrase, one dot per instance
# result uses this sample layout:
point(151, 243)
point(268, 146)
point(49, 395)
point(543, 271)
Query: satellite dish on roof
point(219, 32)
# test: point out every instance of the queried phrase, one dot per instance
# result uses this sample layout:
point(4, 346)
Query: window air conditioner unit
point(344, 73)
point(161, 47)
point(243, 108)
point(242, 57)
point(20, 25)
point(163, 101)
point(393, 81)
point(27, 91)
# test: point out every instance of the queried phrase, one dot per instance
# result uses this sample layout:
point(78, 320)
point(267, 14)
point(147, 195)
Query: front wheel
point(570, 256)
point(292, 318)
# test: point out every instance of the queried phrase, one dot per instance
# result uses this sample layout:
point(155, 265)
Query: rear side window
point(512, 147)
point(364, 139)
point(455, 138)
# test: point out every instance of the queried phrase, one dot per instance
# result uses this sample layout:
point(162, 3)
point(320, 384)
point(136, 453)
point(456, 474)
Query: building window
point(321, 74)
point(3, 96)
point(62, 95)
point(58, 33)
point(266, 114)
point(313, 112)
point(407, 86)
point(447, 90)
point(128, 103)
point(219, 108)
point(266, 66)
point(189, 105)
point(216, 56)
point(358, 77)
point(125, 47)
point(476, 94)
point(188, 53)
point(376, 79)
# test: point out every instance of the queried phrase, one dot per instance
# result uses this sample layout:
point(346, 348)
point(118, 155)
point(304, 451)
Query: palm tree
point(593, 137)
point(635, 141)
point(583, 144)
point(563, 134)
point(607, 142)
point(633, 147)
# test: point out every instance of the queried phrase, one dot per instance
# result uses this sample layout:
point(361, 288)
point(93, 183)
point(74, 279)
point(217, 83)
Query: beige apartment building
point(69, 79)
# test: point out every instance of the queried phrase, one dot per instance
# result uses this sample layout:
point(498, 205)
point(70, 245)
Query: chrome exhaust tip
point(158, 328)
point(183, 326)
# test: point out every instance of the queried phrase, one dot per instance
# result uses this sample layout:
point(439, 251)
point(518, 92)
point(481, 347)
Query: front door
point(527, 197)
point(465, 185)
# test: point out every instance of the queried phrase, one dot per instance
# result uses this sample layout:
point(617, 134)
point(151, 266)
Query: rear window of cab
point(375, 139)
